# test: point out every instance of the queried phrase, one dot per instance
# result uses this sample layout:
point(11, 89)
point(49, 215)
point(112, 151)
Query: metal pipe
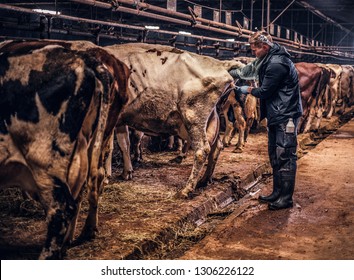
point(164, 11)
point(25, 10)
point(100, 22)
point(268, 16)
point(284, 41)
point(220, 9)
point(282, 12)
point(178, 21)
point(262, 21)
point(251, 26)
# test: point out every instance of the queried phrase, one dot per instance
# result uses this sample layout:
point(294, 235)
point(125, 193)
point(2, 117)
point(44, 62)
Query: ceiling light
point(230, 40)
point(184, 33)
point(46, 11)
point(151, 27)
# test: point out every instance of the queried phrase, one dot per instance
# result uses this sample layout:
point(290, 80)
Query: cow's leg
point(230, 121)
point(249, 124)
point(77, 176)
point(124, 145)
point(343, 106)
point(319, 115)
point(61, 210)
point(99, 153)
point(200, 139)
point(212, 159)
point(308, 121)
point(171, 142)
point(213, 130)
point(137, 137)
point(301, 124)
point(201, 152)
point(201, 147)
point(241, 126)
point(229, 129)
point(332, 104)
point(240, 142)
point(108, 162)
point(180, 144)
point(72, 226)
point(95, 187)
point(183, 153)
point(327, 100)
point(96, 181)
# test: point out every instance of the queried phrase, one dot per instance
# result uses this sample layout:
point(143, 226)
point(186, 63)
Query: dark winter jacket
point(279, 89)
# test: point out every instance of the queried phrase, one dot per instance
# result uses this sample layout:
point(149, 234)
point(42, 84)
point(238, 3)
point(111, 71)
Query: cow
point(174, 92)
point(334, 87)
point(347, 88)
point(58, 108)
point(244, 113)
point(313, 81)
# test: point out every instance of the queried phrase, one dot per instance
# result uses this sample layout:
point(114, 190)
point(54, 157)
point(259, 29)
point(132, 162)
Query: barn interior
point(313, 31)
point(141, 218)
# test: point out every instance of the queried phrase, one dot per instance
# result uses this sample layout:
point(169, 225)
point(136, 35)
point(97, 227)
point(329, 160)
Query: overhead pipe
point(251, 19)
point(161, 17)
point(178, 21)
point(164, 11)
point(25, 10)
point(268, 16)
point(138, 12)
point(99, 22)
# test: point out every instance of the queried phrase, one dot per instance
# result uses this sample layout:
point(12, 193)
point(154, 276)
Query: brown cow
point(58, 109)
point(347, 88)
point(244, 114)
point(334, 87)
point(313, 81)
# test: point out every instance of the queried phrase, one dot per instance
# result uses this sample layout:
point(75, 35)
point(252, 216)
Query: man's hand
point(244, 89)
point(241, 94)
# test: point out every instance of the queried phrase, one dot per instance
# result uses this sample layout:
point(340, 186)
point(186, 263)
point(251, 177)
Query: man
point(279, 93)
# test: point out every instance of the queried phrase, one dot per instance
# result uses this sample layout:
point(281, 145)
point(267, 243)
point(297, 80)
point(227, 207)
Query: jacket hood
point(276, 49)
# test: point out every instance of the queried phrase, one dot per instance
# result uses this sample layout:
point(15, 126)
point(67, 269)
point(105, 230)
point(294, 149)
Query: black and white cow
point(58, 108)
point(174, 92)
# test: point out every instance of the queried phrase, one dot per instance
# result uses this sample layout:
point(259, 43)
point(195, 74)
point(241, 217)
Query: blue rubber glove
point(244, 89)
point(241, 94)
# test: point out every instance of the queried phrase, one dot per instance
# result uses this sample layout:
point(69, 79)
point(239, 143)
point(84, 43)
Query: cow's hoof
point(183, 194)
point(178, 160)
point(237, 151)
point(107, 180)
point(125, 176)
point(88, 233)
point(204, 183)
point(51, 255)
point(137, 162)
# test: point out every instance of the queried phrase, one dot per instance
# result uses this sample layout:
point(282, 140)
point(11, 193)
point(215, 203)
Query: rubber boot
point(285, 199)
point(276, 190)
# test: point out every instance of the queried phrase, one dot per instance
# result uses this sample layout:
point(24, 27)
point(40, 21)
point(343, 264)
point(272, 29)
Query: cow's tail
point(321, 87)
point(228, 88)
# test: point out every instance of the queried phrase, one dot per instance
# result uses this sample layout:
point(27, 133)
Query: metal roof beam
point(322, 16)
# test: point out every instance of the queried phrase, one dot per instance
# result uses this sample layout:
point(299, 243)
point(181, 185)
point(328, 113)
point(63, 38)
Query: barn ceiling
point(320, 22)
point(340, 10)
